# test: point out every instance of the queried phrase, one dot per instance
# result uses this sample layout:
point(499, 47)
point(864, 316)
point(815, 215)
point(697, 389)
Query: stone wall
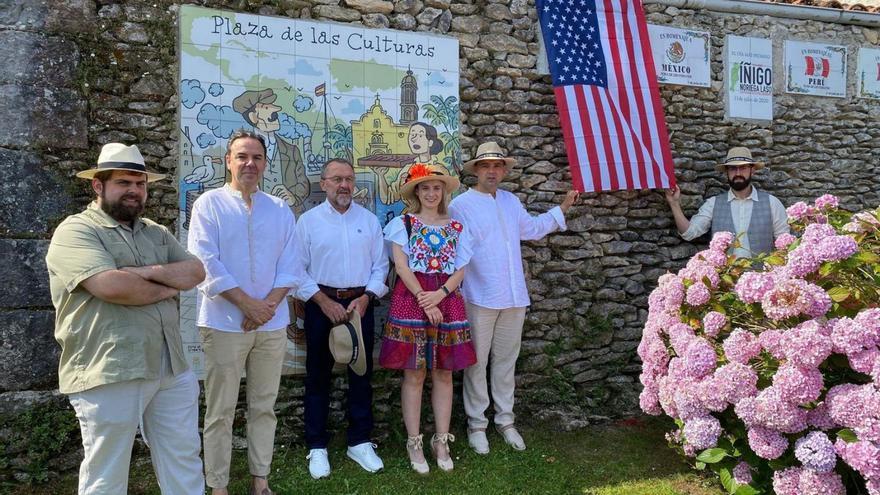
point(80, 73)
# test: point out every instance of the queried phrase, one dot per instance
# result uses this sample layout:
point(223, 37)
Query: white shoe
point(478, 441)
point(414, 446)
point(444, 439)
point(364, 455)
point(319, 464)
point(511, 436)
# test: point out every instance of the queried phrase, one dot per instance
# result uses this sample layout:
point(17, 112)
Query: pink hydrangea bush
point(770, 366)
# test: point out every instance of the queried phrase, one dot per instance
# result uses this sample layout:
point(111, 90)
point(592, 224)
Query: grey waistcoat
point(760, 226)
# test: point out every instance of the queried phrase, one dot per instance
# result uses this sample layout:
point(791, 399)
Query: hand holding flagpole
point(571, 198)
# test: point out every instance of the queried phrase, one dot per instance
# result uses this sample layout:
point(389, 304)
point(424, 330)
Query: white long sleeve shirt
point(741, 210)
point(341, 250)
point(248, 248)
point(494, 278)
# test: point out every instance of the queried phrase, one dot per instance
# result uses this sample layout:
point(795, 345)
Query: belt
point(349, 293)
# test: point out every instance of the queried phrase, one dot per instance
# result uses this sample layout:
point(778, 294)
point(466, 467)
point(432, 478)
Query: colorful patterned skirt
point(411, 342)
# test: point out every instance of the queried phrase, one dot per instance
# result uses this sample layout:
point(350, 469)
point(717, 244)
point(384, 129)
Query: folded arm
point(126, 288)
point(181, 275)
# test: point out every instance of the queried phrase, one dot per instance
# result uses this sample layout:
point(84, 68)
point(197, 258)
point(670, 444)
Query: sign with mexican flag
point(681, 56)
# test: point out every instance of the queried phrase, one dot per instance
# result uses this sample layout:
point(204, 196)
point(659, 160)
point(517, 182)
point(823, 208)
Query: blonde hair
point(415, 206)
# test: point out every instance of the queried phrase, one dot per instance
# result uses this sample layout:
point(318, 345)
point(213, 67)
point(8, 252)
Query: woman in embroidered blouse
point(427, 326)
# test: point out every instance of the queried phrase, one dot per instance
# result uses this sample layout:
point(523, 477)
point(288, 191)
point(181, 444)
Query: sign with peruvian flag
point(815, 69)
point(868, 73)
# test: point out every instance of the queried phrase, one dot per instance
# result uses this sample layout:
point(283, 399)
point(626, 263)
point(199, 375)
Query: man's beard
point(739, 185)
point(120, 211)
point(343, 201)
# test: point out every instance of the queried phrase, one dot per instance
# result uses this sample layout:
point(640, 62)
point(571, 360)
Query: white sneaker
point(478, 441)
point(511, 436)
point(319, 464)
point(364, 455)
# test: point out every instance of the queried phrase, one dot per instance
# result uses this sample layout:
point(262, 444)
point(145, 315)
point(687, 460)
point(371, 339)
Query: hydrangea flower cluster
point(779, 362)
point(863, 222)
point(742, 473)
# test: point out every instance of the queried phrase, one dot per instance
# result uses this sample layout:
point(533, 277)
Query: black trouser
point(319, 366)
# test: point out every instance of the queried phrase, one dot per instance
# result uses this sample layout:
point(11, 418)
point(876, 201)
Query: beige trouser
point(227, 354)
point(166, 410)
point(496, 333)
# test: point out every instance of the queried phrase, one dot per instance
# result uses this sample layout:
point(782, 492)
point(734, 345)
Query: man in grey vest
point(755, 217)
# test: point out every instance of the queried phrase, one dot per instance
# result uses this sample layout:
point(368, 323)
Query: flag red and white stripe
point(817, 66)
point(611, 114)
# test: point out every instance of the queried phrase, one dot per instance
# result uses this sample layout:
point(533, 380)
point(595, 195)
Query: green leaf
point(711, 456)
point(775, 260)
point(825, 269)
point(867, 257)
point(727, 480)
point(838, 294)
point(746, 490)
point(700, 465)
point(847, 435)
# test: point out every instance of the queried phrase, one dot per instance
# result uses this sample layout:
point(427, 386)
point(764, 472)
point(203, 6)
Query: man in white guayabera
point(494, 288)
point(245, 239)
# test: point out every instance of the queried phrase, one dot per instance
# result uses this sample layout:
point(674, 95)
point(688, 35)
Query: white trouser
point(167, 410)
point(496, 333)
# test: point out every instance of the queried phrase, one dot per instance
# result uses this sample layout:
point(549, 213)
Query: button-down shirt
point(102, 342)
point(494, 278)
point(741, 210)
point(249, 248)
point(340, 250)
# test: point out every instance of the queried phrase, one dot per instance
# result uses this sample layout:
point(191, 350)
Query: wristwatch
point(372, 295)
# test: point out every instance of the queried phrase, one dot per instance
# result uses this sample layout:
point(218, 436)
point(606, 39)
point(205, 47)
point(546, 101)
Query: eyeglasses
point(336, 180)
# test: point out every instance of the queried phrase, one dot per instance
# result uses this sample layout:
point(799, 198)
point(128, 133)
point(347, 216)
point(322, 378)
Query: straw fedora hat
point(739, 156)
point(117, 156)
point(347, 344)
point(488, 151)
point(421, 172)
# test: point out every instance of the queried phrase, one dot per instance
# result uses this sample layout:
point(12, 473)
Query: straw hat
point(739, 156)
point(347, 344)
point(488, 151)
point(421, 172)
point(117, 156)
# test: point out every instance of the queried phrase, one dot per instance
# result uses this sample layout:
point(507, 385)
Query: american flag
point(607, 95)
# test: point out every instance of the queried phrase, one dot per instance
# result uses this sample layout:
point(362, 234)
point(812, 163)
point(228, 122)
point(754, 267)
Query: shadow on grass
point(627, 458)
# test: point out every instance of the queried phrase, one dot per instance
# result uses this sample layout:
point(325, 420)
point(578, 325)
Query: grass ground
point(628, 458)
